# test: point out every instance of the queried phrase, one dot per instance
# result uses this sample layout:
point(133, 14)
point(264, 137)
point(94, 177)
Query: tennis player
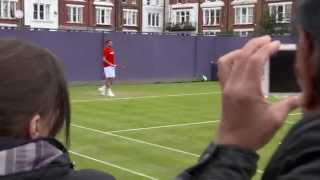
point(109, 69)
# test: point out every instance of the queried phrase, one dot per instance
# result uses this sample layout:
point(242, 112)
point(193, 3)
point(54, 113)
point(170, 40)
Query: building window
point(130, 17)
point(103, 15)
point(212, 16)
point(211, 32)
point(183, 17)
point(74, 13)
point(243, 32)
point(7, 9)
point(154, 19)
point(281, 12)
point(153, 2)
point(244, 14)
point(41, 12)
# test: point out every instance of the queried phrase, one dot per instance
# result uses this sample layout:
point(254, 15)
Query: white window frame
point(152, 2)
point(243, 32)
point(244, 20)
point(107, 15)
point(9, 14)
point(211, 32)
point(46, 12)
point(103, 3)
point(130, 17)
point(210, 10)
point(153, 19)
point(244, 2)
point(212, 4)
point(178, 16)
point(79, 14)
point(284, 13)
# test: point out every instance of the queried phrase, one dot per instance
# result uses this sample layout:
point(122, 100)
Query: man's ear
point(34, 127)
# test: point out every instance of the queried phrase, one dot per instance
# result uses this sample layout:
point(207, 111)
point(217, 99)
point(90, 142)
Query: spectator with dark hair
point(249, 122)
point(34, 107)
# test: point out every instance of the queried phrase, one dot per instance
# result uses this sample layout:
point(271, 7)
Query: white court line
point(167, 126)
point(143, 97)
point(182, 124)
point(113, 165)
point(136, 140)
point(260, 171)
point(144, 142)
point(147, 143)
point(290, 122)
point(295, 114)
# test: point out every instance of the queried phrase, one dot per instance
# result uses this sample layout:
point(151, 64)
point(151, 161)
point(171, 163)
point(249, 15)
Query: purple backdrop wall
point(145, 57)
point(153, 57)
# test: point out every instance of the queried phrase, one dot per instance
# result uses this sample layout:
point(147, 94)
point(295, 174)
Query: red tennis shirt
point(108, 54)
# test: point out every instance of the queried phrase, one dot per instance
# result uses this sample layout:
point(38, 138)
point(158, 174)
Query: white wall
point(146, 9)
point(52, 23)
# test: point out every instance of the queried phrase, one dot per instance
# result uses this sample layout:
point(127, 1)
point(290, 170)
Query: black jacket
point(60, 168)
point(297, 158)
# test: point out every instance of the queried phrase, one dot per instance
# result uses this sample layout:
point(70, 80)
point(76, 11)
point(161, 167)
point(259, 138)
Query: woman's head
point(34, 100)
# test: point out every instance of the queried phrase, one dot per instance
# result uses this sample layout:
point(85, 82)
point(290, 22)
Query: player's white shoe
point(102, 88)
point(110, 93)
point(103, 92)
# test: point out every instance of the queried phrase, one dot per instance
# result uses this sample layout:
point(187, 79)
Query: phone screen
point(282, 73)
point(279, 73)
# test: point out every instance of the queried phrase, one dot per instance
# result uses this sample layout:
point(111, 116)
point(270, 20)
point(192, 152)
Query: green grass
point(159, 152)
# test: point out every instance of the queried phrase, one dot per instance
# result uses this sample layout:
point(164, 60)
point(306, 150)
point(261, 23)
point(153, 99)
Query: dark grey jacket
point(59, 168)
point(297, 158)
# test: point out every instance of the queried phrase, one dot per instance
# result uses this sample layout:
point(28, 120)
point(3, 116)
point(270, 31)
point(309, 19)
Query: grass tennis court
point(149, 131)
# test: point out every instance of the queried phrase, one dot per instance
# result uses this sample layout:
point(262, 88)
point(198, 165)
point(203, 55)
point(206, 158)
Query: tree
point(268, 24)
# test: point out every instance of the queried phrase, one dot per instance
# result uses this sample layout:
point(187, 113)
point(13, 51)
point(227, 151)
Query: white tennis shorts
point(110, 72)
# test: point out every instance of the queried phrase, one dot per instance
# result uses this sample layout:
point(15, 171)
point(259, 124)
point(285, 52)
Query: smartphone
point(279, 74)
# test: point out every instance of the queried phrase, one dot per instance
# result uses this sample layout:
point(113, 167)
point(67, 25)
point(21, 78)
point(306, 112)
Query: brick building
point(241, 17)
point(196, 16)
point(213, 16)
point(103, 14)
point(74, 14)
point(282, 11)
point(8, 9)
point(183, 16)
point(153, 15)
point(41, 14)
point(129, 15)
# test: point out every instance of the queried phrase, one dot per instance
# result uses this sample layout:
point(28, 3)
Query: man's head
point(34, 100)
point(308, 58)
point(108, 43)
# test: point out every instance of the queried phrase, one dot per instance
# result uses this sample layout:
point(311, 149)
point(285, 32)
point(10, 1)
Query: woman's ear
point(34, 127)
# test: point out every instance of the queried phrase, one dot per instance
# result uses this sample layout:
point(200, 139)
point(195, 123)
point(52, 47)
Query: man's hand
point(248, 119)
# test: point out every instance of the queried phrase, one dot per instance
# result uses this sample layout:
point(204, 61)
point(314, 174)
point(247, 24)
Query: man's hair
point(31, 82)
point(308, 15)
point(308, 19)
